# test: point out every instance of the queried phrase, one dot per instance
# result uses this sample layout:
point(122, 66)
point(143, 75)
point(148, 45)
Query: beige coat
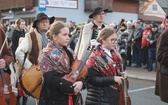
point(84, 41)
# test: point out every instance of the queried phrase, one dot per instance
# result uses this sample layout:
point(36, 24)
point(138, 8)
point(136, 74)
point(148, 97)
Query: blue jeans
point(138, 55)
point(152, 56)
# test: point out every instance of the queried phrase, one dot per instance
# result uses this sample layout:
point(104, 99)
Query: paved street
point(141, 88)
point(141, 92)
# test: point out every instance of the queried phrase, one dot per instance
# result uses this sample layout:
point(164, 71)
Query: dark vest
point(35, 49)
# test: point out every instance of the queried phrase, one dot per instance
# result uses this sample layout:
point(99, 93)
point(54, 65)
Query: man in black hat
point(90, 32)
point(161, 85)
point(33, 43)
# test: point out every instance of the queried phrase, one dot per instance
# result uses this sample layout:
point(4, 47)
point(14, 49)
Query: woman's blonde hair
point(55, 29)
point(18, 21)
point(105, 33)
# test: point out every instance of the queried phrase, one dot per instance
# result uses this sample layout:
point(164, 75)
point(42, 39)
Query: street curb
point(141, 77)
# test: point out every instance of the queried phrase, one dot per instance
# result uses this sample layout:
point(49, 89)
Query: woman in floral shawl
point(55, 61)
point(104, 66)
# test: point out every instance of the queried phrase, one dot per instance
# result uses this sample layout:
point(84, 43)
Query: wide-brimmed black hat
point(39, 17)
point(51, 19)
point(2, 15)
point(97, 10)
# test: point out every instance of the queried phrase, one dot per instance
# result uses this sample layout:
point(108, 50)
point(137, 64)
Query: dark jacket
point(100, 78)
point(15, 39)
point(162, 72)
point(137, 36)
point(153, 36)
point(99, 90)
point(54, 87)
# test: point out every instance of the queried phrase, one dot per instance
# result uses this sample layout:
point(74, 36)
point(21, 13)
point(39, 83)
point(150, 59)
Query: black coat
point(15, 39)
point(99, 90)
point(55, 88)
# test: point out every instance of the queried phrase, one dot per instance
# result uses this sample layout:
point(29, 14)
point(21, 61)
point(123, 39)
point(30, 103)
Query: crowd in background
point(141, 38)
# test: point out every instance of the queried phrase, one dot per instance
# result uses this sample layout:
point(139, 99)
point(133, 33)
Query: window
point(154, 7)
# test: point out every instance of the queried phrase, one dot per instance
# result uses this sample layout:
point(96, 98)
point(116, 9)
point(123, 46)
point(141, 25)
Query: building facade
point(66, 10)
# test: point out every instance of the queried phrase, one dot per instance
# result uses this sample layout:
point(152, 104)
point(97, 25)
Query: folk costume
point(31, 45)
point(88, 35)
point(6, 53)
point(55, 62)
point(90, 31)
point(103, 66)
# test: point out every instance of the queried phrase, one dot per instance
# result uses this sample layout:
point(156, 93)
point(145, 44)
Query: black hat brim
point(34, 24)
point(52, 19)
point(91, 15)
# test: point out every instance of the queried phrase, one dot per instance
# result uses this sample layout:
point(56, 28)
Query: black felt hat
point(39, 17)
point(51, 19)
point(97, 10)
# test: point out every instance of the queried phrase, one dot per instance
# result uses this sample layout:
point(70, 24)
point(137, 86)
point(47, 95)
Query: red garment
point(70, 100)
point(146, 32)
point(110, 68)
point(164, 22)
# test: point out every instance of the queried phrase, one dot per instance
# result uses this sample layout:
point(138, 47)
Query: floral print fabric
point(54, 58)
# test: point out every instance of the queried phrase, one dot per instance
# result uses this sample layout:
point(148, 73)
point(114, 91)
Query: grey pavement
point(141, 73)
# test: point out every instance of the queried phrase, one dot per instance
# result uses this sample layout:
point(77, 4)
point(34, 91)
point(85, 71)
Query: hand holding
point(151, 42)
point(77, 87)
point(2, 63)
point(118, 79)
point(124, 74)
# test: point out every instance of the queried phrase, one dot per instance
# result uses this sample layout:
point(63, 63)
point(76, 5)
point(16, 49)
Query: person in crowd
point(130, 31)
point(17, 33)
point(32, 44)
point(144, 44)
point(136, 40)
point(121, 27)
point(9, 34)
point(103, 67)
point(161, 28)
point(90, 32)
point(71, 26)
point(152, 39)
point(5, 58)
point(161, 85)
point(55, 62)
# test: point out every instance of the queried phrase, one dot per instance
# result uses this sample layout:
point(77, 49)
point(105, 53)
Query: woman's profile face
point(110, 42)
point(63, 37)
point(22, 25)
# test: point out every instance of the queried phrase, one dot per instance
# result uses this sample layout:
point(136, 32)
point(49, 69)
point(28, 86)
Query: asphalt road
point(141, 92)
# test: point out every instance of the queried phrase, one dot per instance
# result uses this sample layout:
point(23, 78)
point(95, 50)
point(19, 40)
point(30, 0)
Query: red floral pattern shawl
point(54, 58)
point(103, 63)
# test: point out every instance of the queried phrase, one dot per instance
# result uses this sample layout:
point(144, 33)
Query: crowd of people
point(116, 46)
